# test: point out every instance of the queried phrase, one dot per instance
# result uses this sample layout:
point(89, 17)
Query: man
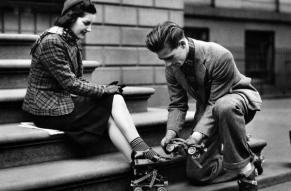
point(225, 102)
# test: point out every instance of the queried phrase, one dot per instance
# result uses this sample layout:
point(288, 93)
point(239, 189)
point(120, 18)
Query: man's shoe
point(248, 183)
point(258, 163)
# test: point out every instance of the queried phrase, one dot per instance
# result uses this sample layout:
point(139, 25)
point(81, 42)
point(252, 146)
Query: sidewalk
point(272, 124)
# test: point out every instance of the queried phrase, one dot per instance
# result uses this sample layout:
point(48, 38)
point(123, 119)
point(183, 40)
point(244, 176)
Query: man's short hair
point(167, 33)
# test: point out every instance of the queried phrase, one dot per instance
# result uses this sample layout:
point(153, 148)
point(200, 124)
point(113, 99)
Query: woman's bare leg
point(125, 124)
point(119, 140)
point(123, 119)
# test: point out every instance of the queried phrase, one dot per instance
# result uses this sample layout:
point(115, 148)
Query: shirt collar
point(191, 54)
point(65, 33)
point(69, 35)
point(190, 57)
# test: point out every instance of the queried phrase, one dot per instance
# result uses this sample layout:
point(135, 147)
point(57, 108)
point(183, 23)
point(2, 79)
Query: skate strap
point(154, 173)
point(197, 163)
point(156, 159)
point(142, 178)
point(178, 140)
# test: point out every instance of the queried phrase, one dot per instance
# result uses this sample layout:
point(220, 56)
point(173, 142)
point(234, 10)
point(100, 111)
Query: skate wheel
point(170, 148)
point(191, 150)
point(161, 189)
point(137, 189)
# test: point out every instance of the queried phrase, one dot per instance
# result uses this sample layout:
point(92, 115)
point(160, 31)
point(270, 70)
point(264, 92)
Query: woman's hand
point(112, 89)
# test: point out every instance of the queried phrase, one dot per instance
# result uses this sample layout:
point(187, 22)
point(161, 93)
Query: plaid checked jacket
point(55, 74)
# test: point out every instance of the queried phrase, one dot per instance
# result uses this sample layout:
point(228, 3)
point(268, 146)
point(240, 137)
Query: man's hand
point(168, 137)
point(195, 139)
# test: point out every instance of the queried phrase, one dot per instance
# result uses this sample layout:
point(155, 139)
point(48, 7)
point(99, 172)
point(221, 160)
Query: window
point(259, 54)
point(197, 33)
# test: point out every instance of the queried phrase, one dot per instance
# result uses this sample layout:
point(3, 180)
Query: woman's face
point(83, 25)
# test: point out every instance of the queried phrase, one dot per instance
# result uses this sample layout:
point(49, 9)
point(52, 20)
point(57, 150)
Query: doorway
point(259, 55)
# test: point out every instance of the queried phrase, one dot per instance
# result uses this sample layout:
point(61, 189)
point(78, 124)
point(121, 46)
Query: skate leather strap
point(142, 178)
point(155, 173)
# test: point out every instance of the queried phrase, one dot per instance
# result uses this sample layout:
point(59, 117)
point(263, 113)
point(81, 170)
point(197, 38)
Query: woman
point(57, 97)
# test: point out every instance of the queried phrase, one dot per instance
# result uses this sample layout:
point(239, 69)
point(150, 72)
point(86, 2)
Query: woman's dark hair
point(70, 16)
point(166, 33)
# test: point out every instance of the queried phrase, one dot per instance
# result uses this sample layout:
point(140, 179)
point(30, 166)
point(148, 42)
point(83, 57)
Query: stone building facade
point(258, 32)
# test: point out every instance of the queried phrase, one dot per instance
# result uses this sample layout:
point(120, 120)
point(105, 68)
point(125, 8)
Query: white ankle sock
point(247, 169)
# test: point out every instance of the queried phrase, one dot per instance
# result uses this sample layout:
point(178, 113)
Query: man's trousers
point(227, 148)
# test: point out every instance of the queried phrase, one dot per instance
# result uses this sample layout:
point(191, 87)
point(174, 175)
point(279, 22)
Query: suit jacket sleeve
point(178, 103)
point(55, 58)
point(222, 75)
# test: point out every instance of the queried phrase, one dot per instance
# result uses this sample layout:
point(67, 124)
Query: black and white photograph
point(145, 95)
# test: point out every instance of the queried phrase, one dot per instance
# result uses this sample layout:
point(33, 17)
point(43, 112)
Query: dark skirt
point(85, 125)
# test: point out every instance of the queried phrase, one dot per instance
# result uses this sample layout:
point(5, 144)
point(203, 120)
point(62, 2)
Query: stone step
point(15, 37)
point(16, 46)
point(11, 101)
point(111, 172)
point(274, 173)
point(14, 72)
point(23, 144)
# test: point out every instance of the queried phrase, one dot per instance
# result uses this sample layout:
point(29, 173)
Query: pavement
point(279, 187)
point(272, 124)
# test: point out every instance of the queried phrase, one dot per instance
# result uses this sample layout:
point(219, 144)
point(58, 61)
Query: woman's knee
point(118, 99)
point(110, 122)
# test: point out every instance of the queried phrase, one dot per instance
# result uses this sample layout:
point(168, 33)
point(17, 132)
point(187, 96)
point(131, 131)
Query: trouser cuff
point(236, 166)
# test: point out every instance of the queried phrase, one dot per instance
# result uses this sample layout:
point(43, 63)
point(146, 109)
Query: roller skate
point(145, 174)
point(178, 146)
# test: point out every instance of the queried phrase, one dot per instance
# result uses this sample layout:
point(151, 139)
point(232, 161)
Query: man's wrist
point(171, 133)
point(198, 137)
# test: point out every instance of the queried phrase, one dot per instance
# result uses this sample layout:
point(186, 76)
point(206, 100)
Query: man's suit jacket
point(211, 73)
point(55, 74)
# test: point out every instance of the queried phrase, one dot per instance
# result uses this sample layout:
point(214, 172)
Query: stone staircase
point(38, 159)
point(16, 46)
point(35, 159)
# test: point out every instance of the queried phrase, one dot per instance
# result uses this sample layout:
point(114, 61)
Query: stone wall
point(228, 23)
point(116, 41)
point(283, 6)
point(119, 30)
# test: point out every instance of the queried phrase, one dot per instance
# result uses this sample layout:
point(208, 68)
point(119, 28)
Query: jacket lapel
point(180, 77)
point(199, 70)
point(200, 76)
point(75, 63)
point(196, 84)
